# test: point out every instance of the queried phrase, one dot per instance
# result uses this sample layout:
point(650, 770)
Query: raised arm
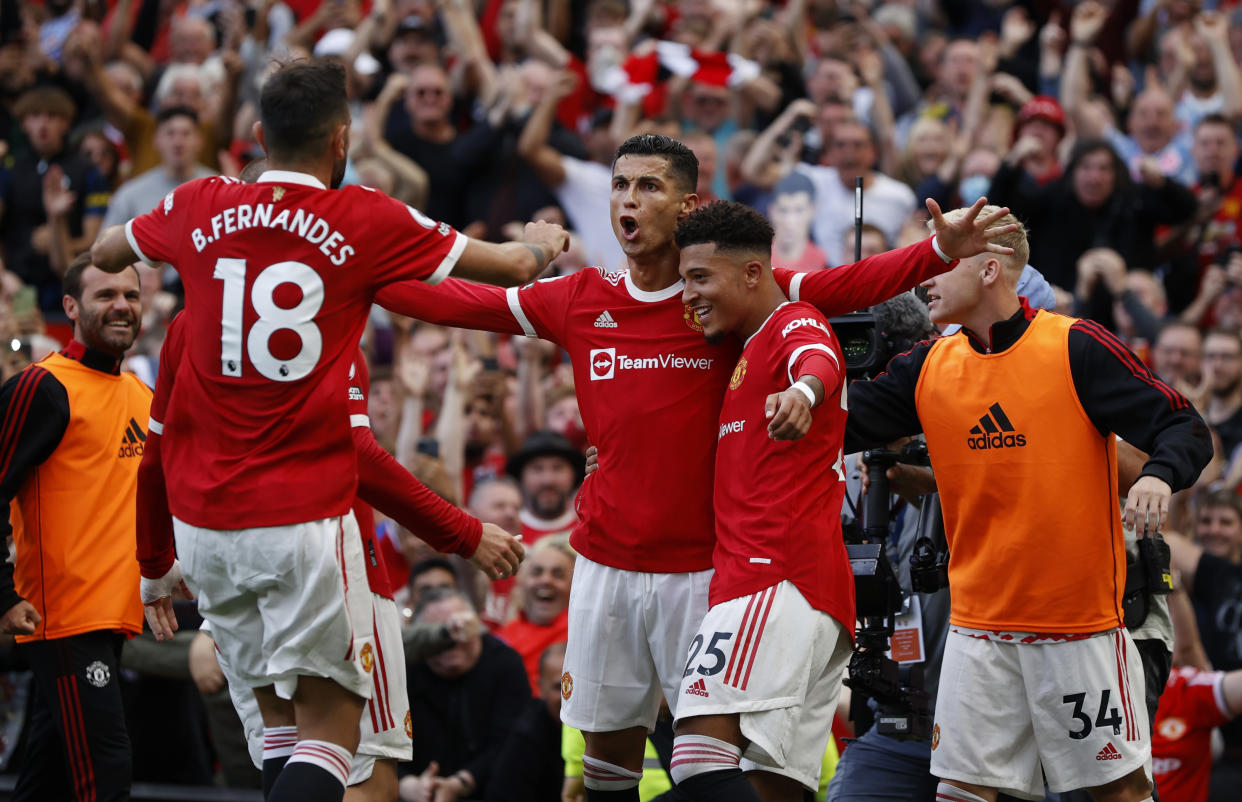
point(1214, 29)
point(754, 167)
point(1085, 24)
point(877, 278)
point(533, 145)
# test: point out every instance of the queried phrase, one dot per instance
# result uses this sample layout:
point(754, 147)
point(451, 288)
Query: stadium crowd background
point(1111, 130)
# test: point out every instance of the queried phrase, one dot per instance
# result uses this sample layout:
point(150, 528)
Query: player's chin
point(713, 336)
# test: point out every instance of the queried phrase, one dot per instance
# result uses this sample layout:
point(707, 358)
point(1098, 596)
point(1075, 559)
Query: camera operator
point(1039, 677)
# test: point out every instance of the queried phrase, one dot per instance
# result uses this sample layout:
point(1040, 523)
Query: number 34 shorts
point(1011, 713)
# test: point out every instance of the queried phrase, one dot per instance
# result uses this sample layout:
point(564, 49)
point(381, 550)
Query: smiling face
point(106, 317)
point(1219, 531)
point(715, 288)
point(647, 202)
point(545, 578)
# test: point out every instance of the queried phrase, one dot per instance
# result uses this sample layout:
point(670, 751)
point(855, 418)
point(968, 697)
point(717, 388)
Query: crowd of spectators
point(1110, 128)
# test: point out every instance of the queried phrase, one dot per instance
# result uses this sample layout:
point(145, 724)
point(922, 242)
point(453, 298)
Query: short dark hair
point(1216, 119)
point(300, 105)
point(430, 564)
point(71, 283)
point(727, 225)
point(682, 163)
point(175, 111)
point(436, 595)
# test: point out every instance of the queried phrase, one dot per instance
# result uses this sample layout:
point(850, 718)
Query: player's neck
point(323, 172)
point(988, 314)
point(656, 272)
point(768, 296)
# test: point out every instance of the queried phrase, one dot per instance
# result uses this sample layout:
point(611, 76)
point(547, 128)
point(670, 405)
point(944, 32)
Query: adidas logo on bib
point(605, 321)
point(699, 688)
point(994, 431)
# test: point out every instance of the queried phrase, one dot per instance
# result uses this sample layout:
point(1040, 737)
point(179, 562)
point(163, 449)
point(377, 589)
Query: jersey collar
point(91, 358)
point(650, 297)
point(290, 177)
point(763, 324)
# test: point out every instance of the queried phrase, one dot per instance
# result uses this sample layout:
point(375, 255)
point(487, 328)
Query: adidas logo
point(993, 431)
point(1109, 752)
point(605, 321)
point(132, 440)
point(699, 688)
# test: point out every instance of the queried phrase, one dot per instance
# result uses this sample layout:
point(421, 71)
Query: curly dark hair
point(683, 165)
point(728, 225)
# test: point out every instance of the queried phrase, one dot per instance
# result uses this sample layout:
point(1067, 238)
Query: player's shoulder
point(587, 278)
point(796, 315)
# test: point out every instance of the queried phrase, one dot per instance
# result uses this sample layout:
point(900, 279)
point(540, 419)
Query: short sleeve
point(407, 245)
point(807, 346)
point(1204, 701)
point(154, 236)
point(543, 306)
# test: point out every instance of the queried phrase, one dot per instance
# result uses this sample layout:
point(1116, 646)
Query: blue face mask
point(973, 187)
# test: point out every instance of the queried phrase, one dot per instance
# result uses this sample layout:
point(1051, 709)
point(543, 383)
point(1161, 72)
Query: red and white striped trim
point(1123, 683)
point(333, 759)
point(750, 634)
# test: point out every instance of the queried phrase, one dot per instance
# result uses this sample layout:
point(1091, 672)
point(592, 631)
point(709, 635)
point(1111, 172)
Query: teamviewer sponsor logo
point(994, 431)
point(699, 688)
point(603, 363)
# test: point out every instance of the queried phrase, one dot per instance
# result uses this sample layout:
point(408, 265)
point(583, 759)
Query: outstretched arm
point(877, 278)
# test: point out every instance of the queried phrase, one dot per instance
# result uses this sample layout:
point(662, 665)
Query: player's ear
point(752, 273)
point(70, 305)
point(257, 130)
point(340, 141)
point(990, 272)
point(689, 203)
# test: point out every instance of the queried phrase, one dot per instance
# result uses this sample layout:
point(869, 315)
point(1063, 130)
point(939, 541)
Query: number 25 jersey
point(279, 276)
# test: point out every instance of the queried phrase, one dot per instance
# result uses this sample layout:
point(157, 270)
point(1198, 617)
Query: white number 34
point(272, 318)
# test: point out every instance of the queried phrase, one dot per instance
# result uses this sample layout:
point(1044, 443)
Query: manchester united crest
point(1172, 728)
point(277, 194)
point(98, 674)
point(368, 658)
point(567, 686)
point(692, 319)
point(409, 725)
point(739, 374)
point(935, 737)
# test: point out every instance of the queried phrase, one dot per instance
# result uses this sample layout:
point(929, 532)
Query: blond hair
point(1015, 239)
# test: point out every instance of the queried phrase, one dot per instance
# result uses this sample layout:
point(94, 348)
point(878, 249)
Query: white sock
point(333, 759)
point(279, 741)
point(698, 754)
point(951, 793)
point(600, 776)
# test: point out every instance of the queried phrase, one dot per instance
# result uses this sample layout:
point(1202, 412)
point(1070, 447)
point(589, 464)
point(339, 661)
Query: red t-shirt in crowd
point(649, 388)
point(279, 276)
point(778, 503)
point(530, 641)
point(1193, 704)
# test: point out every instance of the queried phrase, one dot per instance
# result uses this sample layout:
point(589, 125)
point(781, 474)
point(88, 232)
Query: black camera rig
point(903, 706)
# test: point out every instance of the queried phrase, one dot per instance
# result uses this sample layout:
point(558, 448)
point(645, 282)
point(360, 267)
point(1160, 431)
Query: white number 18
point(272, 318)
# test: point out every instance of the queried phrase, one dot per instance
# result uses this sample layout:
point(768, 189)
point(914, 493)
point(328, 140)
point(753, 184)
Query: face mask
point(973, 187)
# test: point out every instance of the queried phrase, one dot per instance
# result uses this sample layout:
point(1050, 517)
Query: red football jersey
point(279, 276)
point(377, 569)
point(1181, 748)
point(649, 388)
point(778, 503)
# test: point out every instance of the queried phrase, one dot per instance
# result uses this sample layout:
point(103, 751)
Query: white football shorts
point(628, 633)
point(778, 662)
point(284, 601)
point(386, 727)
point(1009, 714)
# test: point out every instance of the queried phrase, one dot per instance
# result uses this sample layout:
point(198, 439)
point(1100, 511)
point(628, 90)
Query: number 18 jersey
point(279, 276)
